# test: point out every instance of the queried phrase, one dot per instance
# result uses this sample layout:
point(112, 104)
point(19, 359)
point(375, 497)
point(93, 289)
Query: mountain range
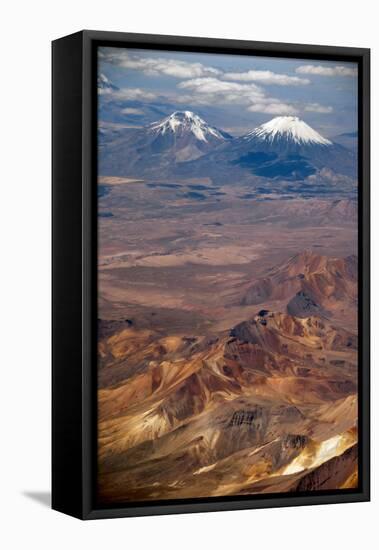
point(313, 284)
point(265, 406)
point(185, 145)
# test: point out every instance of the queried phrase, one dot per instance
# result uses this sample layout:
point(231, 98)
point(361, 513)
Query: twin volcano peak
point(290, 129)
point(287, 128)
point(181, 122)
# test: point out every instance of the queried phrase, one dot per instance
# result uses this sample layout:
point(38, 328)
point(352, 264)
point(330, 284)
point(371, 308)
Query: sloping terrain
point(202, 417)
point(227, 354)
point(227, 278)
point(285, 148)
point(181, 137)
point(311, 284)
point(184, 145)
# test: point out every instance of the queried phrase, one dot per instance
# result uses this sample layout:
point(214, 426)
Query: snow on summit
point(290, 128)
point(104, 85)
point(181, 122)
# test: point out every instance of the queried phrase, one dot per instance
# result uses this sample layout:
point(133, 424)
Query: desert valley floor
point(227, 327)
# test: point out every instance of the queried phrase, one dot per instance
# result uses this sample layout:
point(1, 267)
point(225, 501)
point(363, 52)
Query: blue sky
point(235, 93)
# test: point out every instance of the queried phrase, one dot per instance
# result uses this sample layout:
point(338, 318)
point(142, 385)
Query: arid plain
point(227, 340)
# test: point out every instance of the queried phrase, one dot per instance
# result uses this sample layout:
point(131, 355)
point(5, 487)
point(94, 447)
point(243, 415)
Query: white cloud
point(155, 66)
point(324, 70)
point(317, 108)
point(131, 111)
point(268, 77)
point(128, 94)
point(213, 90)
point(205, 85)
point(273, 108)
point(222, 90)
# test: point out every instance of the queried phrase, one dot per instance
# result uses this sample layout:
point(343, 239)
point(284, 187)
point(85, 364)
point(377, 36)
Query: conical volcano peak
point(180, 122)
point(289, 128)
point(185, 115)
point(182, 117)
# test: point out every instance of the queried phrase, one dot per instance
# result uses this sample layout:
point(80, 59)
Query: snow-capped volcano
point(284, 148)
point(289, 128)
point(183, 144)
point(159, 147)
point(182, 122)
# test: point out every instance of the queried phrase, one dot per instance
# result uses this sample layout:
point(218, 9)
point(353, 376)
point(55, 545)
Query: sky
point(234, 93)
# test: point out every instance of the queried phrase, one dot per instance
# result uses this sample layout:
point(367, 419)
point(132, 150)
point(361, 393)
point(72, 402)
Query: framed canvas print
point(210, 274)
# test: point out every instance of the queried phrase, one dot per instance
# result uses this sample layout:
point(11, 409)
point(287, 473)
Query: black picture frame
point(74, 269)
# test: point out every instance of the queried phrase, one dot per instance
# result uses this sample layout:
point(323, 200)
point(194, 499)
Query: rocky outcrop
point(313, 284)
point(330, 474)
point(303, 305)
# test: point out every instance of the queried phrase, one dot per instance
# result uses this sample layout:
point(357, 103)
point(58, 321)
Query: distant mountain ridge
point(183, 144)
point(348, 140)
point(312, 284)
point(284, 148)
